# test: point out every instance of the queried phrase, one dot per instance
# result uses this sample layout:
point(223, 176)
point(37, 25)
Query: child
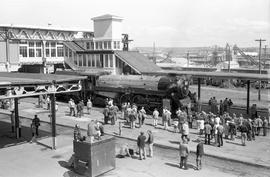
point(199, 153)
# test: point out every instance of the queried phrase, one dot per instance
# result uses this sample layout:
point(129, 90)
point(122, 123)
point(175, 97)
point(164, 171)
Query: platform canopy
point(14, 85)
point(221, 75)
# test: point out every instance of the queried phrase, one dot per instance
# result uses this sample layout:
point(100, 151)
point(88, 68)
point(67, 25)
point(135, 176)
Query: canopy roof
point(10, 79)
point(221, 75)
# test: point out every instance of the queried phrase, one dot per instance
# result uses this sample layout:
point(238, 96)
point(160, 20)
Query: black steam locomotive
point(147, 91)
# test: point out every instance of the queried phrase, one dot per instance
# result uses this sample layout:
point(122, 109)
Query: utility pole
point(260, 71)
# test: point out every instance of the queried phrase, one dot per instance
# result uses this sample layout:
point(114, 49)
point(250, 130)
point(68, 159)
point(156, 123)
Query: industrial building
point(46, 49)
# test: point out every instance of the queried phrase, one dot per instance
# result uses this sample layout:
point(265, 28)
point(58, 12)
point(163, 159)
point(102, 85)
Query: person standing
point(34, 133)
point(106, 114)
point(220, 130)
point(150, 142)
point(221, 108)
point(208, 129)
point(185, 131)
point(48, 102)
point(155, 117)
point(260, 125)
point(226, 104)
point(265, 123)
point(141, 145)
point(183, 153)
point(199, 154)
point(243, 129)
point(71, 107)
point(89, 106)
point(36, 122)
point(91, 130)
point(77, 133)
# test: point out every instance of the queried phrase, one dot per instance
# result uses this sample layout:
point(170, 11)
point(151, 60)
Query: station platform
point(256, 153)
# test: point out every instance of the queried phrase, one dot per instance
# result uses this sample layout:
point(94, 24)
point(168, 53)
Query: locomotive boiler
point(147, 91)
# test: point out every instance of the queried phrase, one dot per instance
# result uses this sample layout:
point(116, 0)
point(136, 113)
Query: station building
point(47, 49)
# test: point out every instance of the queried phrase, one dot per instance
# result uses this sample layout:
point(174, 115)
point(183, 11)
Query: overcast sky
point(168, 23)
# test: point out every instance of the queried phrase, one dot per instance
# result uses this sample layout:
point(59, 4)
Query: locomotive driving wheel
point(125, 98)
point(139, 99)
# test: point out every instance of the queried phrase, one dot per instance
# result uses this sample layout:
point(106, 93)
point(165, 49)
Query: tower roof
point(106, 17)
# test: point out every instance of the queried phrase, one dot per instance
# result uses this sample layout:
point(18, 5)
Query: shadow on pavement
point(189, 166)
point(174, 142)
point(230, 142)
point(8, 138)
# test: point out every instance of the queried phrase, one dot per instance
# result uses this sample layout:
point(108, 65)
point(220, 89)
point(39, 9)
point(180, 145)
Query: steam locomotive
point(146, 91)
point(143, 90)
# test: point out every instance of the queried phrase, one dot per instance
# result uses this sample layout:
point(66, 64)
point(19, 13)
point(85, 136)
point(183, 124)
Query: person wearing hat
point(36, 122)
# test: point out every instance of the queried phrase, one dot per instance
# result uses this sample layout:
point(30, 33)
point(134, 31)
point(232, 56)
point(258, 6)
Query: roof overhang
point(221, 75)
point(18, 85)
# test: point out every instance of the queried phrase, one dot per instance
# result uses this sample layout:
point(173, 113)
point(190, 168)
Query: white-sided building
point(44, 49)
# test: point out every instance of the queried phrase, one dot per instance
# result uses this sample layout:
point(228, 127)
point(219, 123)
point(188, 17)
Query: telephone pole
point(260, 47)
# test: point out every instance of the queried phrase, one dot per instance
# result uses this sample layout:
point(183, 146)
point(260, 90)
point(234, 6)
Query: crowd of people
point(218, 124)
point(77, 110)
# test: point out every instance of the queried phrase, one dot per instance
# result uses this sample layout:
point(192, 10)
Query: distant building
point(46, 49)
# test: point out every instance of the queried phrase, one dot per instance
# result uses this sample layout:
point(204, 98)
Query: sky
point(167, 23)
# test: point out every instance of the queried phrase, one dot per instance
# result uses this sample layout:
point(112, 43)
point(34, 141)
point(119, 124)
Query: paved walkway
point(256, 152)
point(33, 160)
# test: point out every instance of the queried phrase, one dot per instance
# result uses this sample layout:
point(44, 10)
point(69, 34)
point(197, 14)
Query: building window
point(84, 60)
point(38, 44)
point(53, 52)
point(109, 44)
point(38, 52)
point(100, 45)
point(98, 64)
point(53, 49)
point(75, 59)
point(80, 60)
point(106, 61)
point(118, 44)
point(47, 49)
point(105, 44)
point(66, 51)
point(92, 45)
point(111, 60)
point(93, 64)
point(23, 51)
point(31, 52)
point(47, 52)
point(53, 44)
point(38, 49)
point(89, 60)
point(97, 45)
point(114, 44)
point(87, 45)
point(31, 44)
point(60, 51)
